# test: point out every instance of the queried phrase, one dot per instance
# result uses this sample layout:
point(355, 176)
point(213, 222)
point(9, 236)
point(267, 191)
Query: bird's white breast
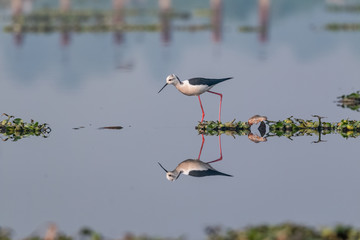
point(192, 90)
point(192, 165)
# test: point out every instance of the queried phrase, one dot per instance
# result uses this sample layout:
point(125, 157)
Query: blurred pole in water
point(51, 232)
point(65, 5)
point(165, 17)
point(16, 7)
point(263, 6)
point(216, 19)
point(65, 34)
point(17, 11)
point(118, 20)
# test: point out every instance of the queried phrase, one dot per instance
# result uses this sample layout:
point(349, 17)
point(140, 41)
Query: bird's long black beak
point(160, 91)
point(161, 165)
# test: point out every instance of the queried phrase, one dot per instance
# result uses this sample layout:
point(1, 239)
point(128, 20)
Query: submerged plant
point(15, 128)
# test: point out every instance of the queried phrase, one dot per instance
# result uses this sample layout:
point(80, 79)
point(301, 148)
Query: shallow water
point(110, 180)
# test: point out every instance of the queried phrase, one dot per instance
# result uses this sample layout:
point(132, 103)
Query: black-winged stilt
point(195, 87)
point(196, 167)
point(192, 167)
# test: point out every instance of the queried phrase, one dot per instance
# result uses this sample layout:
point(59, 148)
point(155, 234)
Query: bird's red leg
point(203, 114)
point(220, 103)
point(220, 158)
point(202, 145)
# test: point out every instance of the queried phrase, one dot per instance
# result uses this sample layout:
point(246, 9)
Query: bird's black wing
point(209, 172)
point(207, 81)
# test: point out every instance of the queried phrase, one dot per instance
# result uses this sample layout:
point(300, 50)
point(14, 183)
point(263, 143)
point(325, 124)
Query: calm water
point(110, 180)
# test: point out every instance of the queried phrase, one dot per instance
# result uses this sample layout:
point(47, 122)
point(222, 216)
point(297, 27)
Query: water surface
point(110, 180)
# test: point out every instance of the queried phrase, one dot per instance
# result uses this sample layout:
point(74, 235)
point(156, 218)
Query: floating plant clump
point(344, 8)
point(228, 128)
point(300, 127)
point(231, 128)
point(343, 27)
point(288, 127)
point(287, 230)
point(15, 128)
point(249, 29)
point(351, 101)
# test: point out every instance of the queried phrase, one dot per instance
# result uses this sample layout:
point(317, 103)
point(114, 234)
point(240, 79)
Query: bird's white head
point(171, 79)
point(171, 175)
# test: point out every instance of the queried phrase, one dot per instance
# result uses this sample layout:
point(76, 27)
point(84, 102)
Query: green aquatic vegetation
point(15, 128)
point(290, 127)
point(249, 29)
point(47, 21)
point(348, 128)
point(216, 128)
point(83, 15)
point(298, 127)
point(48, 28)
point(52, 233)
point(344, 8)
point(343, 27)
point(351, 101)
point(98, 27)
point(300, 124)
point(284, 231)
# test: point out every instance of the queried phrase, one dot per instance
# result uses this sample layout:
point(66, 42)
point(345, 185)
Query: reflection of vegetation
point(91, 21)
point(249, 29)
point(343, 26)
point(284, 231)
point(15, 128)
point(344, 8)
point(83, 16)
point(289, 127)
point(351, 101)
point(47, 28)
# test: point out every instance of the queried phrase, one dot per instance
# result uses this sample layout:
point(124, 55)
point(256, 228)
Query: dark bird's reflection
point(195, 167)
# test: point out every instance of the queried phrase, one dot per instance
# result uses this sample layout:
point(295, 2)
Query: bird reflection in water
point(255, 138)
point(262, 128)
point(195, 167)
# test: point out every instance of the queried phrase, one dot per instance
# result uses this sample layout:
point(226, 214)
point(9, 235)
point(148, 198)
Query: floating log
point(112, 127)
